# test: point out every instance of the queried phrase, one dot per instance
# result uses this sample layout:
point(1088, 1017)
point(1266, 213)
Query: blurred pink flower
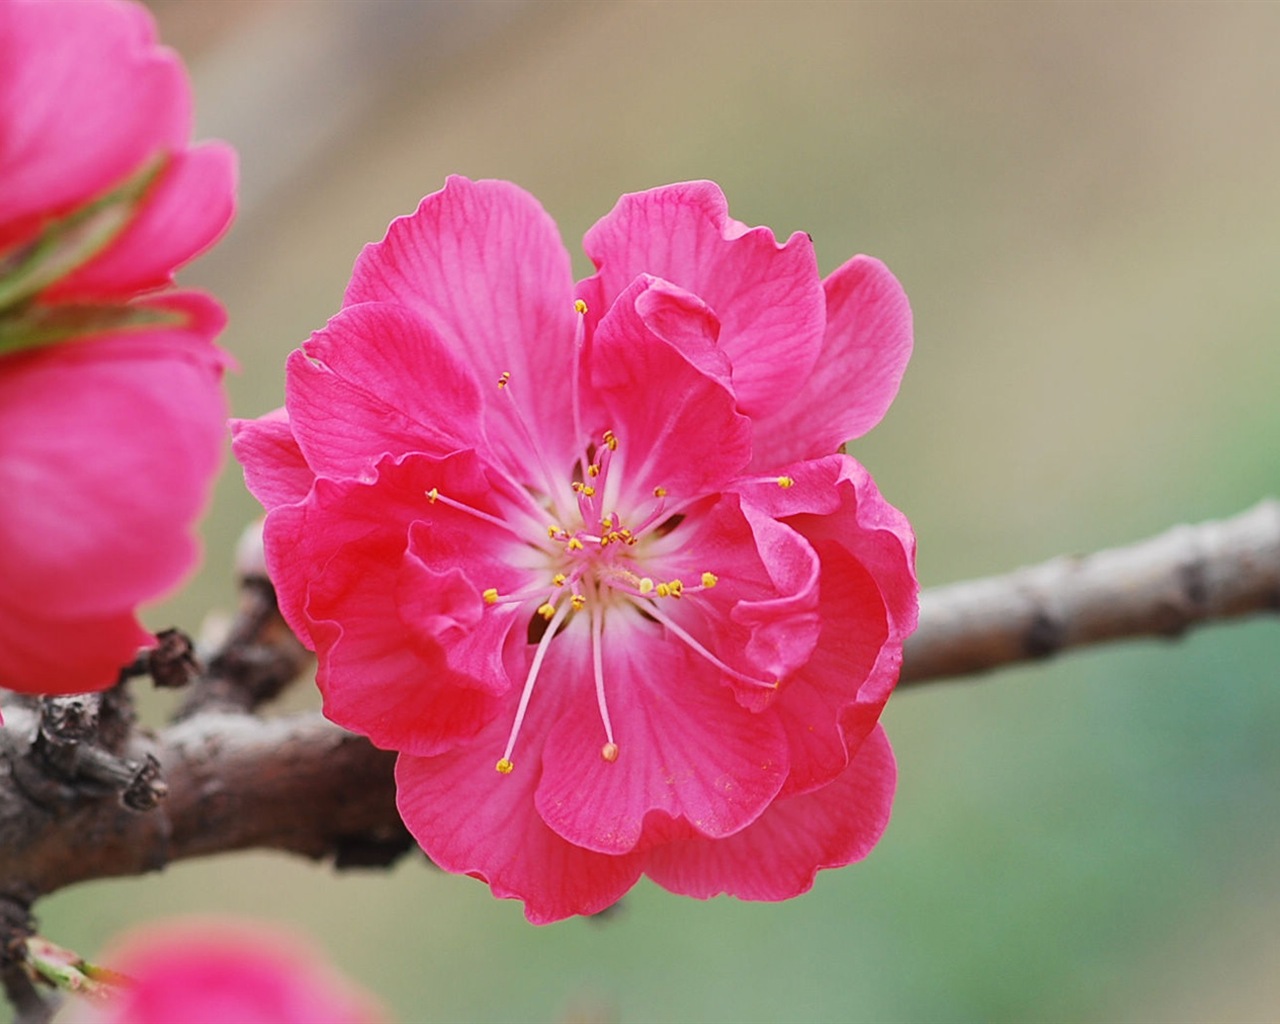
point(110, 447)
point(111, 407)
point(223, 972)
point(101, 194)
point(587, 556)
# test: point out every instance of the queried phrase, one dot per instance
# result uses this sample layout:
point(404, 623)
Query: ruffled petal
point(687, 750)
point(375, 382)
point(864, 355)
point(658, 396)
point(183, 213)
point(839, 690)
point(863, 542)
point(111, 448)
point(761, 615)
point(473, 820)
point(767, 297)
point(483, 266)
point(414, 545)
point(400, 687)
point(778, 856)
point(274, 470)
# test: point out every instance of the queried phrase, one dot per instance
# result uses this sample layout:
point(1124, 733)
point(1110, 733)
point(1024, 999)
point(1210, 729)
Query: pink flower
point(223, 972)
point(111, 407)
point(587, 556)
point(110, 447)
point(101, 194)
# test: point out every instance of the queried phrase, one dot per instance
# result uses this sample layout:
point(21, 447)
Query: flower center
point(595, 559)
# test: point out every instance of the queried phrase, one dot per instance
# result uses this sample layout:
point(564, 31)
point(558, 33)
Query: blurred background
point(1083, 202)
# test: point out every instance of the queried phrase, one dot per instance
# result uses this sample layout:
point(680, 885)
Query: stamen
point(610, 750)
point(505, 764)
point(434, 496)
point(579, 342)
point(548, 477)
point(651, 608)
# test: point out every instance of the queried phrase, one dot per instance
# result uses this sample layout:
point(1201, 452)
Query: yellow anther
point(676, 587)
point(593, 469)
point(646, 585)
point(607, 538)
point(710, 579)
point(664, 589)
point(659, 492)
point(559, 579)
point(491, 596)
point(610, 440)
point(609, 752)
point(504, 767)
point(554, 532)
point(606, 523)
point(580, 306)
point(547, 610)
point(584, 489)
point(574, 544)
point(578, 602)
point(433, 494)
point(785, 481)
point(504, 378)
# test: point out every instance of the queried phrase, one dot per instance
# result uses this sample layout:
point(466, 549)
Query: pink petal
point(862, 542)
point(483, 266)
point(274, 470)
point(767, 296)
point(183, 213)
point(112, 444)
point(864, 355)
point(760, 617)
point(394, 685)
point(376, 380)
point(471, 819)
point(86, 97)
point(43, 654)
point(779, 855)
point(839, 683)
point(687, 749)
point(660, 400)
point(317, 551)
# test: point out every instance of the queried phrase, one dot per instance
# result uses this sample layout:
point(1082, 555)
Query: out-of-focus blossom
point(111, 406)
point(102, 196)
point(222, 972)
point(108, 449)
point(588, 556)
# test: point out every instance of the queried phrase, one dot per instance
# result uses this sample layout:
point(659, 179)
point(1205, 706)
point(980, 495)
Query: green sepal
point(71, 241)
point(36, 326)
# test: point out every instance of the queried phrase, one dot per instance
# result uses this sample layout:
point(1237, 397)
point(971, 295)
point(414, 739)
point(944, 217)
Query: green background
point(1083, 202)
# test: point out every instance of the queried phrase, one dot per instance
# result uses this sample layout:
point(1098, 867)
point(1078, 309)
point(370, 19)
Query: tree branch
point(237, 781)
point(1187, 577)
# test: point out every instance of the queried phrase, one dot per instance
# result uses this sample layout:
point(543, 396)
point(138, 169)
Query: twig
point(1161, 587)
